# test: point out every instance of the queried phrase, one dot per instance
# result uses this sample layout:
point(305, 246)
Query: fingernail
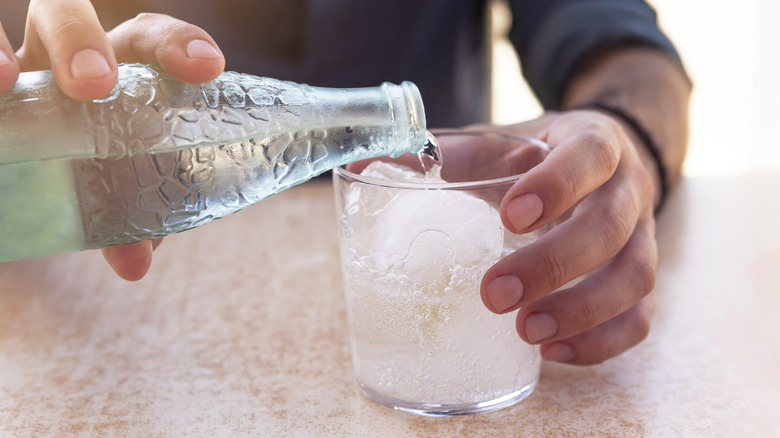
point(540, 326)
point(524, 210)
point(4, 59)
point(202, 49)
point(89, 63)
point(558, 352)
point(504, 292)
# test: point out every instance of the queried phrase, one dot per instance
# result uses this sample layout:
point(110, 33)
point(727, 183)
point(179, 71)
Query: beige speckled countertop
point(239, 330)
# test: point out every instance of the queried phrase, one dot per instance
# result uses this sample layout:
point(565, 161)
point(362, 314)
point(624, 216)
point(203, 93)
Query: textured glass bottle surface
point(158, 156)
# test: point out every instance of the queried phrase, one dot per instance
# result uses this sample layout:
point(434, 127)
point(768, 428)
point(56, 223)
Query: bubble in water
point(420, 329)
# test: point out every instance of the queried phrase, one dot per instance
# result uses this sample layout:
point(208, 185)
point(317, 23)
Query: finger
point(607, 293)
point(597, 229)
point(130, 262)
point(604, 341)
point(66, 36)
point(184, 50)
point(9, 67)
point(586, 153)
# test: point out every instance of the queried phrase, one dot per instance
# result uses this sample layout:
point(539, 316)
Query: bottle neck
point(397, 108)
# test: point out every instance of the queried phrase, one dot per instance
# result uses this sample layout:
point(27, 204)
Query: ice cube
point(424, 225)
point(371, 198)
point(391, 172)
point(430, 229)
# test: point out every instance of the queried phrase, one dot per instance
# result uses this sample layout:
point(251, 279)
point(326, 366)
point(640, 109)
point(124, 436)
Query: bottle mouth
point(415, 105)
point(416, 112)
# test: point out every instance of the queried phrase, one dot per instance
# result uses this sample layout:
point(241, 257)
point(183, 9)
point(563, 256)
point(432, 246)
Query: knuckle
point(639, 326)
point(642, 328)
point(69, 25)
point(614, 225)
point(590, 315)
point(165, 27)
point(644, 275)
point(569, 187)
point(602, 149)
point(618, 226)
point(600, 345)
point(646, 183)
point(644, 320)
point(146, 21)
point(145, 17)
point(554, 269)
point(566, 185)
point(600, 351)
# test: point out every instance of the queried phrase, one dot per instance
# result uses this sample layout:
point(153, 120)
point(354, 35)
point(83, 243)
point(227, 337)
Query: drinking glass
point(414, 250)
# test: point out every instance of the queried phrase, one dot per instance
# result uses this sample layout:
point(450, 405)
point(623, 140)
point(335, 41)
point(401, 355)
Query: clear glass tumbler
point(414, 251)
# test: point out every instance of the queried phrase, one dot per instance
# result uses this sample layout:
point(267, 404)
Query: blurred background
point(732, 53)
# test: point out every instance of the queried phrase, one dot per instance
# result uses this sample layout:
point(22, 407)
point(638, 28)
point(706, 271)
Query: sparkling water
point(413, 269)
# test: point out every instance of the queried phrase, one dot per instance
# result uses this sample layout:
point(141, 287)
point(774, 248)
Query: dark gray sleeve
point(553, 36)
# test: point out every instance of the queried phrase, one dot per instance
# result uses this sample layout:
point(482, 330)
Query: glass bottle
point(159, 156)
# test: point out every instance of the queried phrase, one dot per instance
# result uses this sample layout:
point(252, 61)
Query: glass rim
point(342, 172)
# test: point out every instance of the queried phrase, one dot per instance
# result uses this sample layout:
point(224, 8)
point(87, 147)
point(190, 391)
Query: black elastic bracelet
point(643, 135)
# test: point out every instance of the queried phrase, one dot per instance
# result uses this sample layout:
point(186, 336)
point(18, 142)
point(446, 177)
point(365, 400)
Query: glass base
point(449, 410)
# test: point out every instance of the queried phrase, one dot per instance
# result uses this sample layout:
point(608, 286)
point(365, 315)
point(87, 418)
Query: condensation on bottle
point(159, 156)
